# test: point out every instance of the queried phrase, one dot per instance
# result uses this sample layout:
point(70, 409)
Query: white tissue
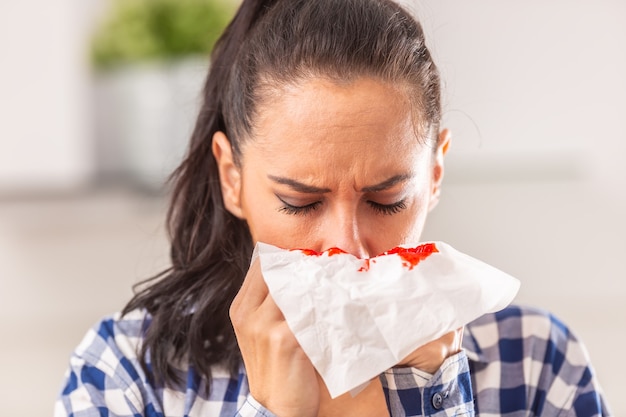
point(354, 323)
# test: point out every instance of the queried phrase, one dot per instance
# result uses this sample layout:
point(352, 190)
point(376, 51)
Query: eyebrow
point(387, 183)
point(310, 189)
point(298, 186)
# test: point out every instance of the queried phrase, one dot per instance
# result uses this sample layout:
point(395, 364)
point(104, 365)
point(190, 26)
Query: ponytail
point(210, 248)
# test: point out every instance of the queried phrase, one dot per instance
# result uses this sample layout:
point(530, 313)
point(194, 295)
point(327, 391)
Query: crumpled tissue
point(356, 318)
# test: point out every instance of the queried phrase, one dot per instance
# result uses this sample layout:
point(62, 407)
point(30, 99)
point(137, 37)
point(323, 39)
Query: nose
point(344, 233)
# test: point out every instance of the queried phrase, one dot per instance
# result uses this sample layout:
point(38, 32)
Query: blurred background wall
point(535, 95)
point(45, 138)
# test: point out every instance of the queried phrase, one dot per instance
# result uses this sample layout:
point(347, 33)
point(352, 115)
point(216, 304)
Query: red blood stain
point(309, 252)
point(335, 251)
point(366, 265)
point(412, 256)
point(330, 252)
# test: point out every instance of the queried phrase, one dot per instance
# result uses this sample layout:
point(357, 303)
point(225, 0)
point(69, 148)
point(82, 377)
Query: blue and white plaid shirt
point(518, 362)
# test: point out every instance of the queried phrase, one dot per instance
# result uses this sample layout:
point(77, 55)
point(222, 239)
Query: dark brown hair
point(269, 44)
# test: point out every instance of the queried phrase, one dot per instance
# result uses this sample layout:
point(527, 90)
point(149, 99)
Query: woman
point(319, 128)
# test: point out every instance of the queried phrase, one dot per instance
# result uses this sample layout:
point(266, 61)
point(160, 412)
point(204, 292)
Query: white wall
point(533, 75)
point(44, 79)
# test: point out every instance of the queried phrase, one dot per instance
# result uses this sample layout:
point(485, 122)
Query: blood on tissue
point(366, 265)
point(330, 252)
point(410, 256)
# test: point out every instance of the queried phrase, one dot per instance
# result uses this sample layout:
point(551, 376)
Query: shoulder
point(104, 372)
point(532, 347)
point(517, 321)
point(517, 332)
point(124, 334)
point(112, 344)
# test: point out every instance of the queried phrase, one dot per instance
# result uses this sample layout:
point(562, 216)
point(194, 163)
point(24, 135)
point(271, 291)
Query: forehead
point(319, 112)
point(319, 128)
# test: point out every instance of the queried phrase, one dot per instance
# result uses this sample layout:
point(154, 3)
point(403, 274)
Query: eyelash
point(385, 209)
point(388, 209)
point(298, 210)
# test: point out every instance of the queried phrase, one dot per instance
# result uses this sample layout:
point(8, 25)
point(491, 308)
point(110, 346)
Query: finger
point(252, 293)
point(270, 310)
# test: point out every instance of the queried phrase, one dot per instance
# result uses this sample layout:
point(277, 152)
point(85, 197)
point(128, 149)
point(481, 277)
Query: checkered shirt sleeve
point(524, 361)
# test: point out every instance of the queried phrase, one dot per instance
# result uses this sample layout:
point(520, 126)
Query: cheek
point(407, 228)
point(265, 226)
point(403, 230)
point(416, 227)
point(259, 217)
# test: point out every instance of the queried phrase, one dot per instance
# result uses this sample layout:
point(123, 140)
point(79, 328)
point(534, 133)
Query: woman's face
point(334, 165)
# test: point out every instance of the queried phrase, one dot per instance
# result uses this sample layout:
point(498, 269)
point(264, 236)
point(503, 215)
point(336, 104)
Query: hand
point(280, 375)
point(429, 357)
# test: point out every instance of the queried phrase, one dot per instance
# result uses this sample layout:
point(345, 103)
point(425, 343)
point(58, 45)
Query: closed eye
point(388, 209)
point(298, 210)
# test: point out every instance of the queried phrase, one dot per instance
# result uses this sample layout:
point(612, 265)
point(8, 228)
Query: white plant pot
point(144, 118)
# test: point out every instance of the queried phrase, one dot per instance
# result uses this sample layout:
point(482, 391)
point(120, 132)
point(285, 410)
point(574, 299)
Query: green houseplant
point(146, 30)
point(150, 58)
